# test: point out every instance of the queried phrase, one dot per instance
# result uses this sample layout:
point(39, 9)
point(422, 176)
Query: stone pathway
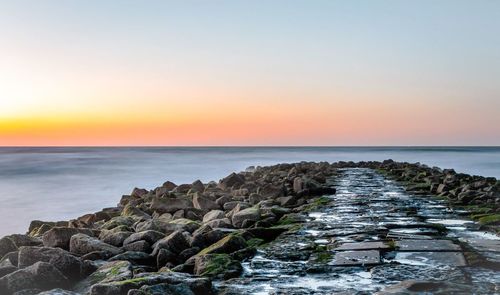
point(372, 235)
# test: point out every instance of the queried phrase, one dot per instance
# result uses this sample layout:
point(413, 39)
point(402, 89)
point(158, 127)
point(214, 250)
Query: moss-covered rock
point(217, 266)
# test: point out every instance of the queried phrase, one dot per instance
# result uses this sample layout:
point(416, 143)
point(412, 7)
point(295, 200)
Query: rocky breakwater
point(174, 239)
point(478, 195)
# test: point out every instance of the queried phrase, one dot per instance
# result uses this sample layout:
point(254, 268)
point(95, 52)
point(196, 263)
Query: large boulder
point(6, 246)
point(176, 242)
point(6, 267)
point(168, 227)
point(199, 286)
point(246, 217)
point(81, 244)
point(70, 265)
point(149, 236)
point(232, 181)
point(109, 272)
point(170, 205)
point(228, 244)
point(220, 266)
point(60, 236)
point(204, 203)
point(114, 238)
point(220, 223)
point(214, 214)
point(41, 275)
point(205, 236)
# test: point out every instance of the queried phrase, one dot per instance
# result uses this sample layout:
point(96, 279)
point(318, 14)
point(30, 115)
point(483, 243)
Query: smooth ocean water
point(64, 183)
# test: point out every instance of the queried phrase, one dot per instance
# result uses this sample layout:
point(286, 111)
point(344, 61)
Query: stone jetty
point(302, 228)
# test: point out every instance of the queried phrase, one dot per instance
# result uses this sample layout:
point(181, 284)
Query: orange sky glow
point(243, 73)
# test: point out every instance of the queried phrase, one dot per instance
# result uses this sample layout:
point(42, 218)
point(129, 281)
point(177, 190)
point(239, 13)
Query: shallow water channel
point(373, 234)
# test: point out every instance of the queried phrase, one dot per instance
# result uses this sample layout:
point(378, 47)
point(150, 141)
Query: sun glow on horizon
point(244, 73)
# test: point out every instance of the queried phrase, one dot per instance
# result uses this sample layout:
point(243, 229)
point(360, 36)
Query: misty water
point(63, 183)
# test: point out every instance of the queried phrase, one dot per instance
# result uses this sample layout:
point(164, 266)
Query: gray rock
point(140, 246)
point(6, 246)
point(217, 266)
point(149, 236)
point(176, 242)
point(6, 267)
point(70, 265)
point(232, 181)
point(204, 203)
point(82, 244)
point(214, 214)
point(250, 214)
point(170, 205)
point(58, 292)
point(199, 286)
point(108, 272)
point(60, 236)
point(220, 223)
point(114, 238)
point(228, 244)
point(41, 275)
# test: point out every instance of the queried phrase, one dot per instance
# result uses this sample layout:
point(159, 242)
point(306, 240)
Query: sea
point(61, 183)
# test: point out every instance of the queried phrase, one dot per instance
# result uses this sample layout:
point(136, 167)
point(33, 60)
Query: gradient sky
point(249, 72)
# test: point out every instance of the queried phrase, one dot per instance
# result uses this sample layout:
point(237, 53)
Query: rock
point(130, 210)
point(233, 204)
point(24, 240)
point(169, 185)
point(220, 223)
point(6, 246)
point(250, 214)
point(298, 185)
point(118, 221)
point(228, 244)
point(6, 267)
point(60, 236)
point(170, 205)
point(165, 257)
point(176, 242)
point(269, 191)
point(58, 292)
point(205, 236)
point(182, 189)
point(232, 181)
point(178, 214)
point(415, 287)
point(149, 236)
point(163, 289)
point(214, 214)
point(204, 203)
point(114, 238)
point(198, 186)
point(109, 272)
point(71, 266)
point(255, 198)
point(139, 192)
point(41, 275)
point(288, 201)
point(139, 246)
point(217, 266)
point(223, 200)
point(82, 244)
point(199, 286)
point(136, 258)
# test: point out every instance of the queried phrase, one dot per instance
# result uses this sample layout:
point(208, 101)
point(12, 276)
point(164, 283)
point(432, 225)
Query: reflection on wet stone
point(372, 235)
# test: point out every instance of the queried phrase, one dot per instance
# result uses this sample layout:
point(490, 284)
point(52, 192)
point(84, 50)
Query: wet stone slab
point(484, 245)
point(431, 258)
point(427, 245)
point(348, 258)
point(362, 246)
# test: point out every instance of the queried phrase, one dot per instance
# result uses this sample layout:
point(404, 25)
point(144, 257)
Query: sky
point(180, 73)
